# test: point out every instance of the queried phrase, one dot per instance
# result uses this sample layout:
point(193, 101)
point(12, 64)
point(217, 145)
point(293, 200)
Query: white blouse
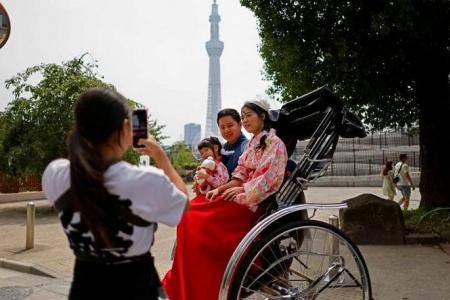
point(143, 195)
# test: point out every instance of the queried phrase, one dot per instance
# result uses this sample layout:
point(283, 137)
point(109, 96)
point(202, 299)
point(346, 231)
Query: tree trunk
point(433, 92)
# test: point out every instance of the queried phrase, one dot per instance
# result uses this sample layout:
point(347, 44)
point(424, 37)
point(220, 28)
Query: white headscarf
point(262, 103)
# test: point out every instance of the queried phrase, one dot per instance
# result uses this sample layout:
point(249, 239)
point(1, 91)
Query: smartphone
point(139, 123)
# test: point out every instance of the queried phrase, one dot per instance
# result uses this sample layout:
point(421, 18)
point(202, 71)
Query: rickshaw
point(287, 255)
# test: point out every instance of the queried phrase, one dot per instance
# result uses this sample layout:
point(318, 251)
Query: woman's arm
point(268, 176)
point(239, 175)
point(163, 162)
point(154, 150)
point(219, 190)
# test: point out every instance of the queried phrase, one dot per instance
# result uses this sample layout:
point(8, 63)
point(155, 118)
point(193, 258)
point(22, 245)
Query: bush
point(424, 221)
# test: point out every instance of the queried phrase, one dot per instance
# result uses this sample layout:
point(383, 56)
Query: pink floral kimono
point(217, 177)
point(261, 171)
point(220, 176)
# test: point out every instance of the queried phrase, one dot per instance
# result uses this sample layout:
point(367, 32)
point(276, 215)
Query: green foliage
point(155, 129)
point(433, 223)
point(35, 124)
point(388, 60)
point(182, 158)
point(371, 53)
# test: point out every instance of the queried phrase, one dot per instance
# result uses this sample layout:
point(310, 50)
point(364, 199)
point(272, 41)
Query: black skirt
point(134, 279)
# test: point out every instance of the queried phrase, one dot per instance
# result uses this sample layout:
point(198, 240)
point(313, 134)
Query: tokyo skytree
point(214, 47)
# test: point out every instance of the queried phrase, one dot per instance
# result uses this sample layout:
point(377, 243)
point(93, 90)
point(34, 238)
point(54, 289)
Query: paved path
point(398, 272)
point(16, 286)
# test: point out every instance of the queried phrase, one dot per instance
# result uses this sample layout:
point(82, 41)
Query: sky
point(152, 51)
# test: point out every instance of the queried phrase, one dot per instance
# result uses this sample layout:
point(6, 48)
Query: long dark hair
point(267, 124)
point(99, 113)
point(387, 167)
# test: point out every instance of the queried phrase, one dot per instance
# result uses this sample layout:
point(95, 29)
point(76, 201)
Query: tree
point(35, 124)
point(182, 158)
point(388, 60)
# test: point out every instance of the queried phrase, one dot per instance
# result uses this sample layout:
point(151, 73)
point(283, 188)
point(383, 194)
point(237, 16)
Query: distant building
point(166, 148)
point(214, 47)
point(192, 133)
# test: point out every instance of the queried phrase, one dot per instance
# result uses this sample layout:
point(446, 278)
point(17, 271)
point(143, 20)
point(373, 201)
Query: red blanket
point(206, 238)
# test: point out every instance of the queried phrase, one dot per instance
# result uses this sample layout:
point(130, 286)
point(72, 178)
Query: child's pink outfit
point(218, 175)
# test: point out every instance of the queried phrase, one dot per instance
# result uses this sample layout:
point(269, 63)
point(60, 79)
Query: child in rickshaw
point(212, 173)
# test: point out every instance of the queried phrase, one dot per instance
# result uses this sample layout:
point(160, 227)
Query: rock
point(370, 219)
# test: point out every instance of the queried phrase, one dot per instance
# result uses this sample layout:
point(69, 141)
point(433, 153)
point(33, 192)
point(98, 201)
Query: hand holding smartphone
point(140, 126)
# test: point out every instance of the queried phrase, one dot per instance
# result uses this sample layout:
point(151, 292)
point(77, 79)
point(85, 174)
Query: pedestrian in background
point(388, 180)
point(403, 180)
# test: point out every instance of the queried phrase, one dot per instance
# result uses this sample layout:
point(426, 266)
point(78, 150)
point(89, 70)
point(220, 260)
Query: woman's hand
point(212, 194)
point(231, 193)
point(151, 148)
point(155, 151)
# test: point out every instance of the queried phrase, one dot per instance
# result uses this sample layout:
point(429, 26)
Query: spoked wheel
point(302, 260)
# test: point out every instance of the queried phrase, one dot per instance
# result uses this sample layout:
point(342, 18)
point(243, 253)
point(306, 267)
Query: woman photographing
point(108, 208)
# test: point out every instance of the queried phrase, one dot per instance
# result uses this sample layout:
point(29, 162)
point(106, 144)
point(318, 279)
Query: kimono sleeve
point(220, 177)
point(241, 172)
point(268, 176)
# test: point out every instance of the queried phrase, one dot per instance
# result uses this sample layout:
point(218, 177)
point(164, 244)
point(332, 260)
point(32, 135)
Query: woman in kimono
point(213, 227)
